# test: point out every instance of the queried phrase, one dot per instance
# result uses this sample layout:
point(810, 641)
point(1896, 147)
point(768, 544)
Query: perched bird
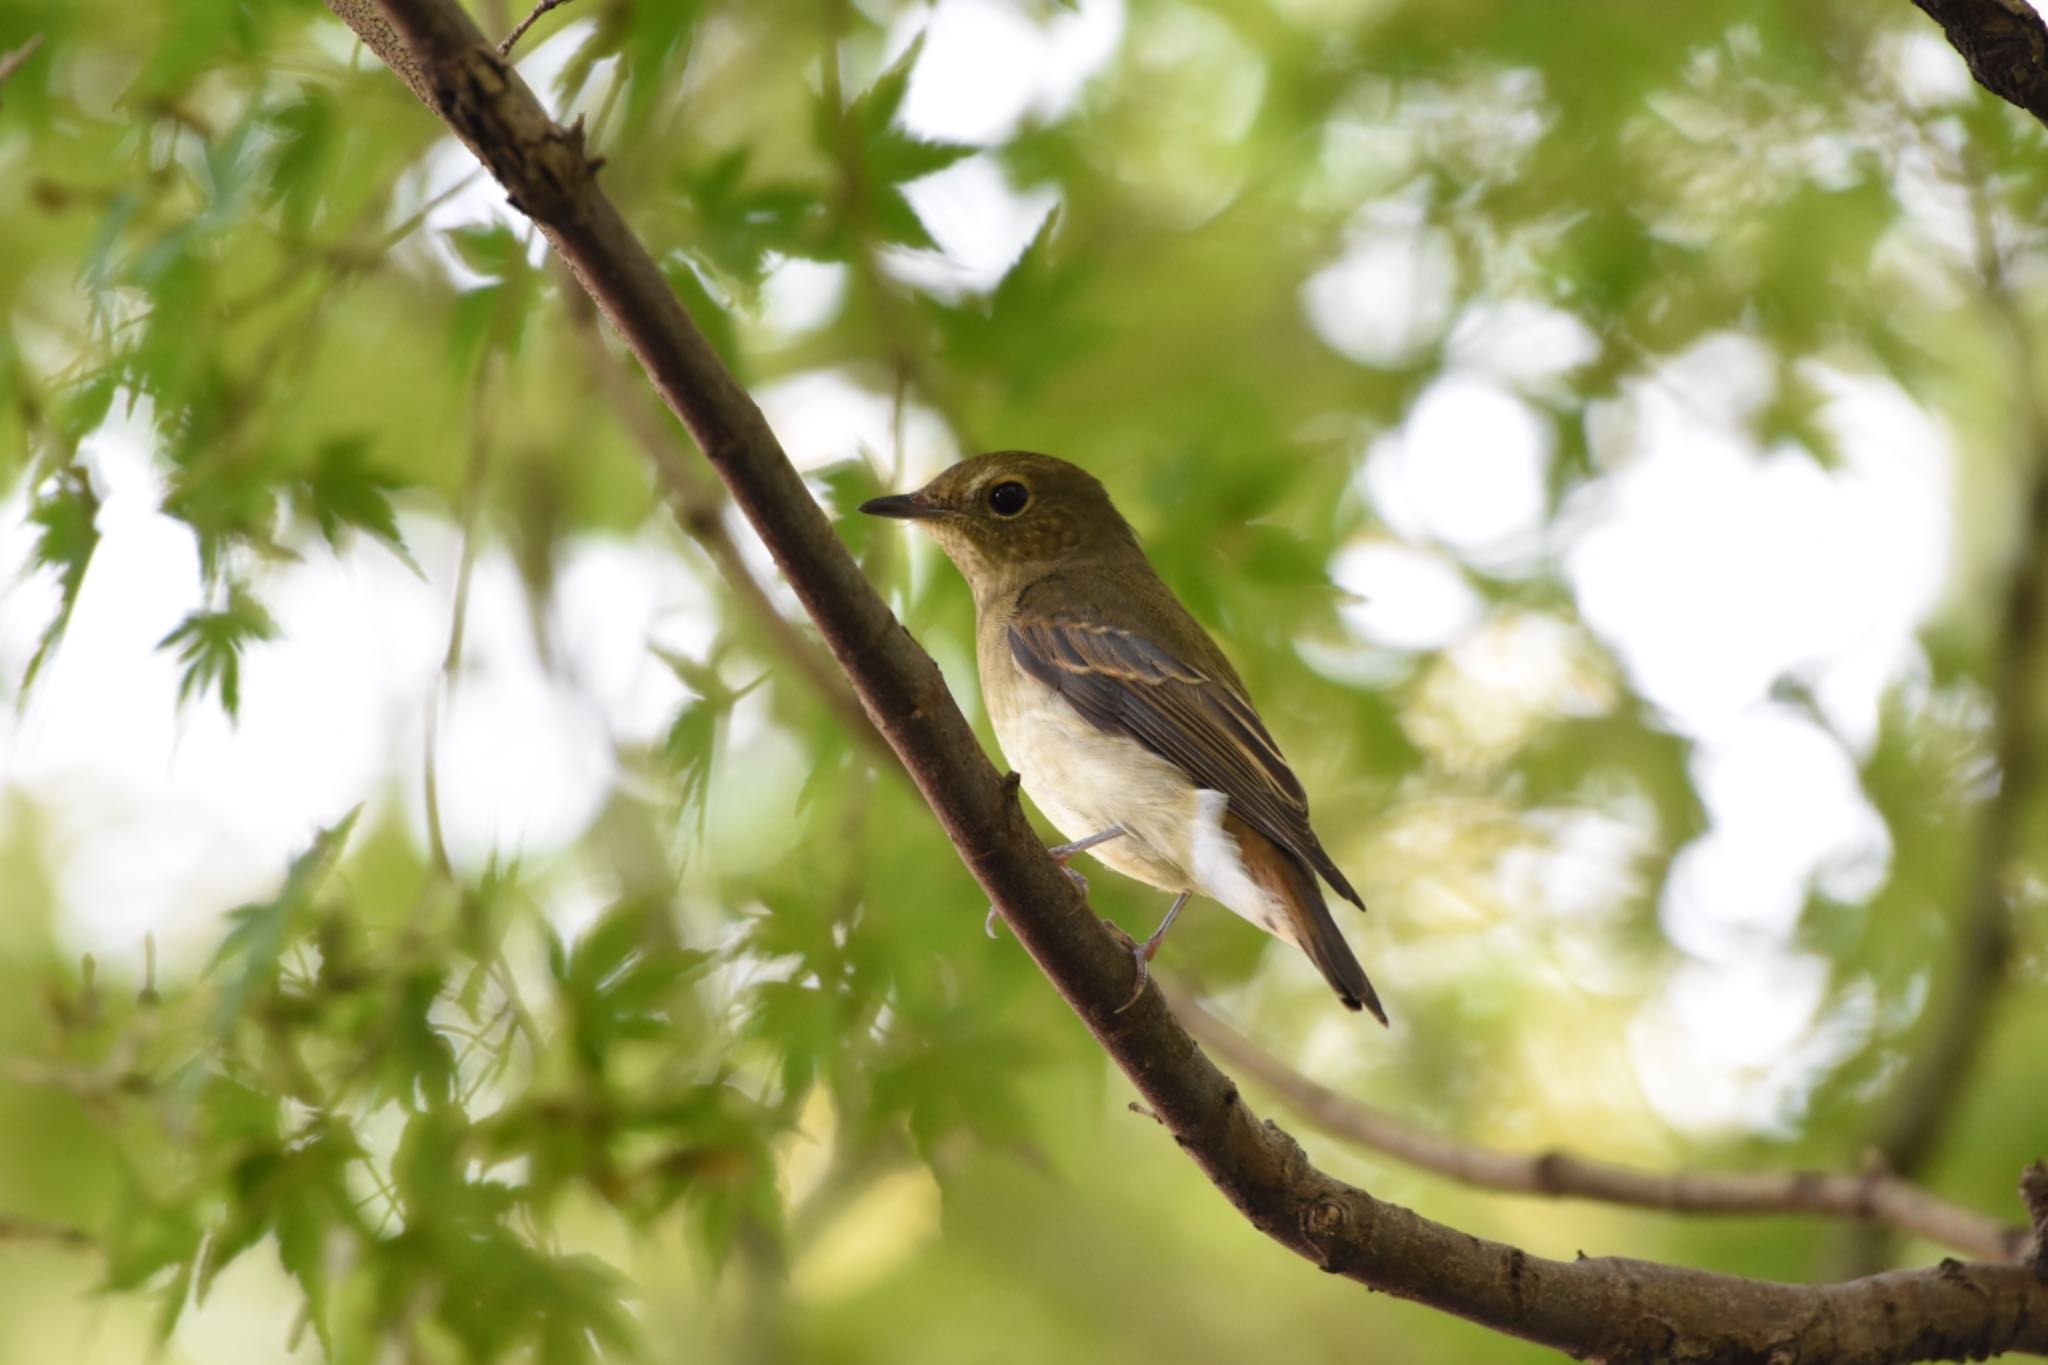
point(1129, 728)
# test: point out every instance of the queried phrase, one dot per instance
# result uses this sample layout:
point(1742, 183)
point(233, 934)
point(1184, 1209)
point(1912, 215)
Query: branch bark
point(2034, 1194)
point(1876, 1196)
point(1612, 1309)
point(2005, 44)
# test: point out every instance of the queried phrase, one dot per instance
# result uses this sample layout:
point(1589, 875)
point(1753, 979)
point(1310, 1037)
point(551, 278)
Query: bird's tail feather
point(1293, 883)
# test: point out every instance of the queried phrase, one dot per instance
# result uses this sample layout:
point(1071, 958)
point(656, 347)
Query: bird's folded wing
point(1123, 683)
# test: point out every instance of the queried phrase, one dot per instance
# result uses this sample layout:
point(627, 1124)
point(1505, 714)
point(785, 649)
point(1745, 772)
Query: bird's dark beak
point(904, 506)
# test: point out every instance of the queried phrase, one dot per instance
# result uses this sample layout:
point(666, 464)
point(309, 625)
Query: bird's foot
point(1144, 977)
point(1143, 953)
point(1140, 959)
point(1061, 853)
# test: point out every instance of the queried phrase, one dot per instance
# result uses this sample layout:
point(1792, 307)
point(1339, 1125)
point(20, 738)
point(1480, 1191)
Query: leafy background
point(439, 921)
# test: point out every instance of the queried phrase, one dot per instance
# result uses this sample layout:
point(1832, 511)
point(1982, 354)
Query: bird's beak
point(904, 506)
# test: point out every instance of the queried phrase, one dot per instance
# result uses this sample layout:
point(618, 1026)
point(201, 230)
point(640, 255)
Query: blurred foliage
point(777, 1098)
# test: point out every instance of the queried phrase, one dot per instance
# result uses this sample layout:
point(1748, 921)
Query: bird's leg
point(1060, 854)
point(1143, 953)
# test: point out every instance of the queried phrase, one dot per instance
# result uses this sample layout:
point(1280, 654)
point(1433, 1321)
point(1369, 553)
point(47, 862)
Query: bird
point(1124, 720)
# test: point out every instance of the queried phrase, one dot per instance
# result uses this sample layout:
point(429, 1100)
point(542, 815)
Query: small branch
point(15, 1228)
point(1876, 1196)
point(2005, 44)
point(1962, 1012)
point(1616, 1310)
point(511, 39)
point(11, 62)
point(699, 509)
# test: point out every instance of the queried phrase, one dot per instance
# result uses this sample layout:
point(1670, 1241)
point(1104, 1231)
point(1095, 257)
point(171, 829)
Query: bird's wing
point(1125, 684)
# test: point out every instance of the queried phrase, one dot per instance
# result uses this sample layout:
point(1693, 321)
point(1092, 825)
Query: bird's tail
point(1291, 882)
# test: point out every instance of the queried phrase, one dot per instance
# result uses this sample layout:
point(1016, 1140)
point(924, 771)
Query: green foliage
point(343, 491)
point(65, 538)
point(210, 645)
point(887, 157)
point(733, 1073)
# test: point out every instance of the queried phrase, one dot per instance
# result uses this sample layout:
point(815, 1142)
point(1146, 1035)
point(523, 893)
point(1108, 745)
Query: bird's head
point(1010, 517)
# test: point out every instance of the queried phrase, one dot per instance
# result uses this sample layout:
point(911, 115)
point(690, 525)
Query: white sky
point(1711, 568)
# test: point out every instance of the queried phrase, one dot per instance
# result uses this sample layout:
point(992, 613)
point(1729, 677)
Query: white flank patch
point(1219, 867)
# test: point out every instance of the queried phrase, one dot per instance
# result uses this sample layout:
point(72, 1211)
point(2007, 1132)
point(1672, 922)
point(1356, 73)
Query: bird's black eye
point(1008, 498)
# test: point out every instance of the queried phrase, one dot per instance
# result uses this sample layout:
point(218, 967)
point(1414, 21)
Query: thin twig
point(467, 508)
point(1961, 1013)
point(532, 15)
point(15, 1228)
point(12, 62)
point(1876, 1195)
point(698, 507)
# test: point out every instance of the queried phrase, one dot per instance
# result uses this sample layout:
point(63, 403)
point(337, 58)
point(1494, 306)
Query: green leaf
point(895, 157)
point(890, 156)
point(494, 250)
point(311, 1201)
point(735, 224)
point(1034, 325)
point(303, 151)
point(415, 1060)
point(343, 490)
point(874, 109)
point(656, 42)
point(897, 223)
point(210, 645)
point(147, 1232)
point(248, 956)
point(689, 748)
point(619, 979)
point(469, 325)
point(67, 534)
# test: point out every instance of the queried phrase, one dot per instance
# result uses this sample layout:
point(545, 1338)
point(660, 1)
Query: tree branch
point(2034, 1194)
point(1877, 1196)
point(2005, 44)
point(1617, 1310)
point(11, 62)
point(15, 1228)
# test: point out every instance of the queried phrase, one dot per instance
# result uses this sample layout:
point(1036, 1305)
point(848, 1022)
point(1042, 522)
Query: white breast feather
point(1085, 781)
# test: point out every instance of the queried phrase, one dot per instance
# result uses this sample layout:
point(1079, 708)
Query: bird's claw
point(1141, 957)
point(988, 926)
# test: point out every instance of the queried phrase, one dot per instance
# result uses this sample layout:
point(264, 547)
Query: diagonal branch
point(1618, 1310)
point(1877, 1196)
point(2005, 44)
point(16, 1228)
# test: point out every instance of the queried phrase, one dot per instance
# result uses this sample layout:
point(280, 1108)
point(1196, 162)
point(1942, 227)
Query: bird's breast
point(1086, 780)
